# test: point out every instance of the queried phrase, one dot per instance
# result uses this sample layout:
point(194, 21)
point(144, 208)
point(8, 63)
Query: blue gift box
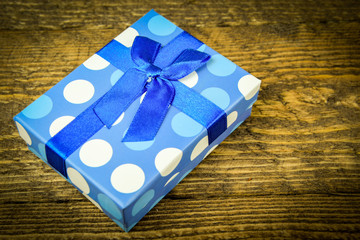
point(126, 179)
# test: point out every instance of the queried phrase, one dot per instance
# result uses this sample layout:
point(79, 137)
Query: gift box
point(134, 119)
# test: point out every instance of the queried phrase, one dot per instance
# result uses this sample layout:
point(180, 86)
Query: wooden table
point(290, 171)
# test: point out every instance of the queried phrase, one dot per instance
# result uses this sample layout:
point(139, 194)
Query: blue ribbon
point(153, 69)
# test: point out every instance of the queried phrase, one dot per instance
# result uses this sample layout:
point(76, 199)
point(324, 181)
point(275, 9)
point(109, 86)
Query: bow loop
point(144, 51)
point(151, 78)
point(188, 61)
point(164, 65)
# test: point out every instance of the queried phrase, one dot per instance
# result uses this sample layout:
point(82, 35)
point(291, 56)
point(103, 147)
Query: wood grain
point(291, 171)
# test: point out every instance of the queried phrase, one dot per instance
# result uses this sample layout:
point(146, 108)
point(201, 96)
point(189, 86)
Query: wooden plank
point(292, 170)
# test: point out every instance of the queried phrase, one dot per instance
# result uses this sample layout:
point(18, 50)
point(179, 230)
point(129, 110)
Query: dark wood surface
point(290, 171)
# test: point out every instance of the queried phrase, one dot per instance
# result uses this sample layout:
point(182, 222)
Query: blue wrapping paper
point(126, 179)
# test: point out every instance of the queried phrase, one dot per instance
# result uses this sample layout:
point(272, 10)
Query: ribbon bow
point(155, 70)
point(151, 78)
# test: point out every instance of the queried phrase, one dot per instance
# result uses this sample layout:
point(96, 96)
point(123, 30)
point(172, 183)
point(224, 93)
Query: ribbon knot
point(151, 70)
point(155, 81)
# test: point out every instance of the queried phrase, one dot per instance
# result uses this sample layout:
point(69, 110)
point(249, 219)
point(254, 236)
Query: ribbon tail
point(152, 111)
point(120, 96)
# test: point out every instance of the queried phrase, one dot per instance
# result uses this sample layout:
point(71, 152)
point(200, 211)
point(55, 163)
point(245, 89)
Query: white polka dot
point(79, 91)
point(231, 118)
point(167, 160)
point(95, 62)
point(78, 180)
point(172, 178)
point(212, 149)
point(119, 119)
point(127, 37)
point(59, 124)
point(93, 201)
point(127, 178)
point(23, 133)
point(142, 97)
point(96, 153)
point(190, 80)
point(199, 148)
point(249, 85)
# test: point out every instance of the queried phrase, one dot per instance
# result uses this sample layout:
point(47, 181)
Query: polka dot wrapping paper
point(126, 179)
